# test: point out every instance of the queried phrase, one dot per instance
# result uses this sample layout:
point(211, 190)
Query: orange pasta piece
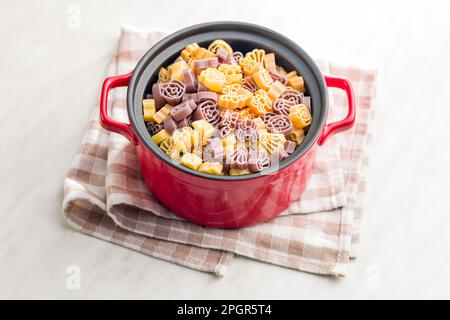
point(234, 97)
point(300, 116)
point(215, 45)
point(249, 66)
point(188, 52)
point(297, 83)
point(202, 53)
point(263, 79)
point(213, 79)
point(260, 103)
point(176, 70)
point(291, 74)
point(256, 55)
point(232, 72)
point(276, 90)
point(269, 61)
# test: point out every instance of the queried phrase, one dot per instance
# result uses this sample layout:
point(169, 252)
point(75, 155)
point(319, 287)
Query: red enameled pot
point(225, 201)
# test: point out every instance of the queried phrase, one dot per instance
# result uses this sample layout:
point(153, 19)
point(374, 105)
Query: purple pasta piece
point(189, 96)
point(222, 55)
point(225, 131)
point(249, 84)
point(206, 63)
point(247, 124)
point(159, 99)
point(207, 110)
point(153, 128)
point(229, 119)
point(183, 109)
point(257, 161)
point(307, 102)
point(237, 55)
point(282, 106)
point(278, 156)
point(246, 131)
point(249, 135)
point(278, 76)
point(293, 96)
point(185, 122)
point(207, 95)
point(266, 116)
point(189, 81)
point(170, 125)
point(279, 124)
point(239, 158)
point(289, 146)
point(173, 92)
point(214, 151)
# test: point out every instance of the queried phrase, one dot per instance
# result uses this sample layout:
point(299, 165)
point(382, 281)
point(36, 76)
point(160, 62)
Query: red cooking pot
point(225, 201)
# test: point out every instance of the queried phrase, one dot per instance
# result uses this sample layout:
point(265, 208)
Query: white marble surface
point(49, 80)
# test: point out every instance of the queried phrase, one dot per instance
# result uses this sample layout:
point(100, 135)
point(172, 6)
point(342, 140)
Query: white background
point(50, 74)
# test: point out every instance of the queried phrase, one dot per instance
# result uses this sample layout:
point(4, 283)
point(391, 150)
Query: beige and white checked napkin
point(105, 196)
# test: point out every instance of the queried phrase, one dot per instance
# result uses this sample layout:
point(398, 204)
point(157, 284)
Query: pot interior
point(242, 37)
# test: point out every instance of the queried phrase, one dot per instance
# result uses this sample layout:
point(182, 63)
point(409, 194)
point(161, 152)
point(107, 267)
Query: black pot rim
point(220, 29)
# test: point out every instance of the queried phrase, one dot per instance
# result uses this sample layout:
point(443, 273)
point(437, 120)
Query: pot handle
point(331, 128)
point(106, 122)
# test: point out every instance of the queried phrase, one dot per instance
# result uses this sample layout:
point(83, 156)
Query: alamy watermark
point(73, 19)
point(373, 278)
point(73, 280)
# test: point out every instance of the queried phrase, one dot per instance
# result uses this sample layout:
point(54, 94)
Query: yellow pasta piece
point(167, 145)
point(269, 61)
point(182, 139)
point(229, 143)
point(271, 142)
point(276, 90)
point(211, 168)
point(282, 71)
point(216, 44)
point(176, 70)
point(213, 79)
point(297, 135)
point(188, 52)
point(198, 151)
point(205, 129)
point(232, 72)
point(149, 109)
point(259, 123)
point(297, 83)
point(161, 136)
point(261, 131)
point(263, 79)
point(246, 113)
point(249, 66)
point(291, 74)
point(246, 93)
point(159, 116)
point(260, 103)
point(196, 139)
point(191, 161)
point(163, 75)
point(202, 53)
point(237, 172)
point(256, 55)
point(300, 116)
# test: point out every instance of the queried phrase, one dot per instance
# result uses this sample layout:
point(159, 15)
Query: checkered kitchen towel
point(105, 196)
